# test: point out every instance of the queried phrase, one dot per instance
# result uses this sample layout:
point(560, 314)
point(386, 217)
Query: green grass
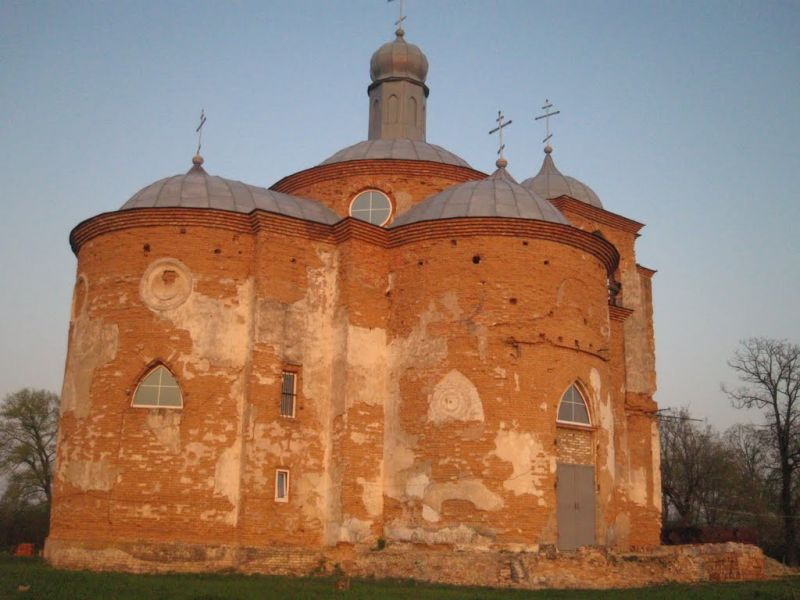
point(52, 584)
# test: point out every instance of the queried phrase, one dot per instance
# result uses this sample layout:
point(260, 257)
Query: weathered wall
point(486, 335)
point(429, 370)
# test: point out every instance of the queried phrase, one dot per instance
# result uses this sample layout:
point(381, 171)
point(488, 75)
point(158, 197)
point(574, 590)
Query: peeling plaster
point(461, 535)
point(529, 461)
point(166, 426)
point(637, 488)
point(355, 531)
point(471, 490)
point(89, 475)
point(93, 343)
point(371, 496)
point(219, 328)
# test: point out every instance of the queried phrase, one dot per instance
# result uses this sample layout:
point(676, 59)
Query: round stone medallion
point(165, 284)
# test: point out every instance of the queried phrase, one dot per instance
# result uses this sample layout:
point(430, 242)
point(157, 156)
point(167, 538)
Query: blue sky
point(681, 115)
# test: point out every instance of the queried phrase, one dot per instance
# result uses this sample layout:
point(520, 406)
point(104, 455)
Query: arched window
point(158, 389)
point(572, 408)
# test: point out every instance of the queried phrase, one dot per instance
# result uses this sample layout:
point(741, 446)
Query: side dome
point(198, 189)
point(550, 183)
point(398, 58)
point(397, 149)
point(499, 195)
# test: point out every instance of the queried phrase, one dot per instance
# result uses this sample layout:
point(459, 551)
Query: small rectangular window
point(288, 394)
point(281, 485)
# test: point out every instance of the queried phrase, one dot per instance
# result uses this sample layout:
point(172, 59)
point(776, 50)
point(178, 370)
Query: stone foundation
point(544, 567)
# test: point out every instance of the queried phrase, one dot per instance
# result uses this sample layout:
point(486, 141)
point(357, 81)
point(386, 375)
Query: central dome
point(398, 59)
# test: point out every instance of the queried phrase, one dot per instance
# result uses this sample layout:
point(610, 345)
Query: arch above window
point(158, 389)
point(572, 408)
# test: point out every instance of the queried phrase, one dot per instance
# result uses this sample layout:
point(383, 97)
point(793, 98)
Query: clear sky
point(681, 115)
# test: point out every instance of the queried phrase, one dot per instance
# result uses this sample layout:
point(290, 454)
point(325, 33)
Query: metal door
point(575, 497)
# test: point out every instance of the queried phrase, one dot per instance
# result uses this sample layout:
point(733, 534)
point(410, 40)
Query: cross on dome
point(199, 131)
point(400, 19)
point(501, 160)
point(546, 116)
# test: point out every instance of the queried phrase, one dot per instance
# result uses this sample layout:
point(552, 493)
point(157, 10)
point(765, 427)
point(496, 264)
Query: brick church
point(389, 348)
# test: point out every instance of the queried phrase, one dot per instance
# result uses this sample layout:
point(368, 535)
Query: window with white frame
point(282, 485)
point(572, 408)
point(158, 389)
point(288, 393)
point(371, 206)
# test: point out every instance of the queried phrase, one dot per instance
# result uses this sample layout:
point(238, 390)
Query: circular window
point(371, 206)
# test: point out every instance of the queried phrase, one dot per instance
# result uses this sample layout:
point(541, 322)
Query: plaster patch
point(471, 490)
point(655, 444)
point(371, 496)
point(455, 398)
point(461, 535)
point(226, 474)
point(355, 531)
point(415, 486)
point(366, 365)
point(90, 475)
point(530, 463)
point(93, 344)
point(637, 488)
point(429, 514)
point(166, 427)
point(218, 327)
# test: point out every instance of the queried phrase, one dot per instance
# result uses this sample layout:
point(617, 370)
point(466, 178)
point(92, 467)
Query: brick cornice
point(647, 272)
point(415, 168)
point(565, 203)
point(619, 313)
point(347, 229)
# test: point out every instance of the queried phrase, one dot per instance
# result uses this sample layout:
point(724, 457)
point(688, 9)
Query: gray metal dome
point(398, 58)
point(399, 149)
point(550, 183)
point(499, 195)
point(198, 189)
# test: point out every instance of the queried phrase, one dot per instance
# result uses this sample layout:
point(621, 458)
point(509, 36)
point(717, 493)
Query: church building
point(389, 348)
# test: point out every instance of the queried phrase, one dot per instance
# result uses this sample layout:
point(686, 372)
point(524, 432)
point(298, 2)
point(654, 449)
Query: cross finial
point(546, 116)
point(199, 130)
point(501, 123)
point(400, 19)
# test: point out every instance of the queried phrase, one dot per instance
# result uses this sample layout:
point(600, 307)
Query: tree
point(770, 372)
point(699, 474)
point(28, 427)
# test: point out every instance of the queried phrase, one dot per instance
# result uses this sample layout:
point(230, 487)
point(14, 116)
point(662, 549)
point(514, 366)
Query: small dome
point(499, 195)
point(398, 149)
point(550, 183)
point(198, 189)
point(398, 59)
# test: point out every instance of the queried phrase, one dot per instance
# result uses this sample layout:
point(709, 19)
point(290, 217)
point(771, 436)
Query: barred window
point(281, 485)
point(158, 389)
point(288, 393)
point(573, 407)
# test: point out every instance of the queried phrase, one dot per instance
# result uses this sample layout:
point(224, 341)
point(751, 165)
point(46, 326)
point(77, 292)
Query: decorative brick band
point(377, 167)
point(347, 229)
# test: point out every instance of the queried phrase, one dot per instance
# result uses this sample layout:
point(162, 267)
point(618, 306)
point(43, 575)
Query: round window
point(371, 206)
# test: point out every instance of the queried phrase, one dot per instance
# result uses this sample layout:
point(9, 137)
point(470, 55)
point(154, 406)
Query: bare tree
point(28, 427)
point(770, 371)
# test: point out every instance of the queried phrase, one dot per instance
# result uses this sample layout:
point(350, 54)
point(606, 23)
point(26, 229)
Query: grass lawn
point(52, 584)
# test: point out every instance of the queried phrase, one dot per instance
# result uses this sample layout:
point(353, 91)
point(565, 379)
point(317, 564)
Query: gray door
point(576, 499)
